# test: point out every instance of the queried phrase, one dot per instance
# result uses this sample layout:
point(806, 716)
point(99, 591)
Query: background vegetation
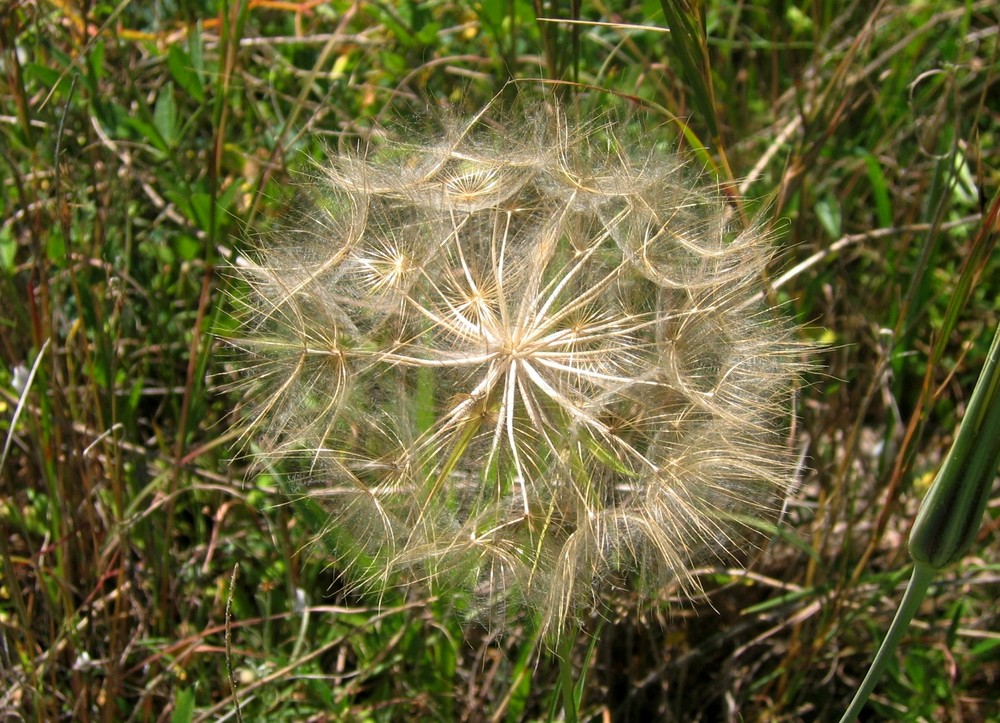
point(141, 141)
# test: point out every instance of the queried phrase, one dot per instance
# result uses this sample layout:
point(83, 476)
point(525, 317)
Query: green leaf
point(148, 132)
point(42, 74)
point(520, 690)
point(95, 64)
point(828, 214)
point(320, 690)
point(185, 73)
point(491, 12)
point(427, 35)
point(880, 188)
point(201, 210)
point(196, 49)
point(187, 248)
point(986, 648)
point(8, 248)
point(183, 707)
point(606, 456)
point(56, 248)
point(165, 115)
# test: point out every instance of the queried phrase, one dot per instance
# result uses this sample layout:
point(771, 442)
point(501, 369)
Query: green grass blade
point(689, 47)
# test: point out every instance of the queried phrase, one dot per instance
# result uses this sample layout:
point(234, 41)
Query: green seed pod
point(952, 512)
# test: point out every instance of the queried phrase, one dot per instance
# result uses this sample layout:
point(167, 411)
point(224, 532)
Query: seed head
point(522, 361)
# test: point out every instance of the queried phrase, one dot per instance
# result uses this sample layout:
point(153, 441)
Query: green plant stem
point(916, 591)
point(951, 513)
point(566, 682)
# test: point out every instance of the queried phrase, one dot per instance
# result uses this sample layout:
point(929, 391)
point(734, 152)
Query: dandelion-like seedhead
point(524, 361)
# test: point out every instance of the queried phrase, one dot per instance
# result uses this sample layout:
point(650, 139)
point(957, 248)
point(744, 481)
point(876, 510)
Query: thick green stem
point(916, 591)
